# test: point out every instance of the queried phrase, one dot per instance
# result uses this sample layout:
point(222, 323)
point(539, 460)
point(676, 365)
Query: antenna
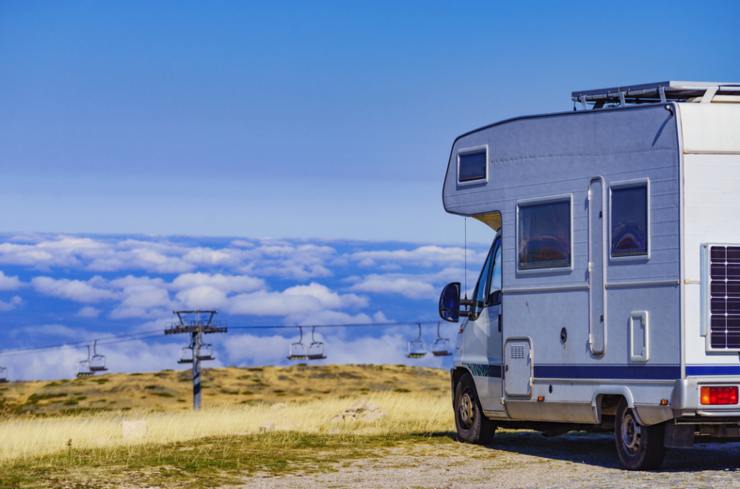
point(196, 323)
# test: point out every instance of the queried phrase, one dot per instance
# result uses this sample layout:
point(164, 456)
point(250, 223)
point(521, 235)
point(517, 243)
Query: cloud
point(88, 312)
point(296, 300)
point(389, 284)
point(74, 290)
point(142, 301)
point(8, 282)
point(225, 283)
point(132, 356)
point(14, 302)
point(387, 348)
point(429, 255)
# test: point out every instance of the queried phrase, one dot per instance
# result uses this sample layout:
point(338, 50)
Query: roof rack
point(651, 93)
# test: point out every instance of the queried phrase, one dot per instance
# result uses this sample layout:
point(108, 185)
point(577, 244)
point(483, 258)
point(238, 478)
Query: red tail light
point(719, 395)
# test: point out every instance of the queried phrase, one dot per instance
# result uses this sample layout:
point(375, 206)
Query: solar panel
point(724, 297)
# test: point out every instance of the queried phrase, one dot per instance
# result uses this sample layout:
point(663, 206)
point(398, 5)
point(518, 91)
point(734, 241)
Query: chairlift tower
point(196, 323)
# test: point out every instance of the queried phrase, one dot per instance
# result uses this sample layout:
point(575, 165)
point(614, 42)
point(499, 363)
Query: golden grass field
point(55, 432)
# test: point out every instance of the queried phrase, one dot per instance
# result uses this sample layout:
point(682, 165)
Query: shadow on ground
point(599, 450)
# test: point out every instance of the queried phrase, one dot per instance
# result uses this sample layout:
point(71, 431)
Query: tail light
point(719, 395)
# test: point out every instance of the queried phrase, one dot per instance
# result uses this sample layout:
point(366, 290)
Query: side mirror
point(449, 302)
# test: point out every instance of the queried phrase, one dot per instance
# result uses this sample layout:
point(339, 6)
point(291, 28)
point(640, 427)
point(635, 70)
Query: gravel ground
point(523, 460)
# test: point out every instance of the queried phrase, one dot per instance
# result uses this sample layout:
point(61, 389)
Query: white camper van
point(610, 297)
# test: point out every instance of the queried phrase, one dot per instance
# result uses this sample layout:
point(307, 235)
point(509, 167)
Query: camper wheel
point(639, 447)
point(472, 426)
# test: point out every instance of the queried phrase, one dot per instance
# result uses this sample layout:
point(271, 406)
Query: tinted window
point(544, 235)
point(629, 221)
point(481, 288)
point(472, 166)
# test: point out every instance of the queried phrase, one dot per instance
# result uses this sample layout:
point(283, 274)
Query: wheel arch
point(456, 373)
point(606, 399)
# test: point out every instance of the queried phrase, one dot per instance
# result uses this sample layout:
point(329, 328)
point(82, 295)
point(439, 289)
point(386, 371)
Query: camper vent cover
point(724, 290)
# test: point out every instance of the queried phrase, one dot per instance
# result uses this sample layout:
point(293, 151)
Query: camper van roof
point(676, 91)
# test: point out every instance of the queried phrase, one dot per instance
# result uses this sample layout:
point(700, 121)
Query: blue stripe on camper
point(483, 370)
point(640, 372)
point(713, 370)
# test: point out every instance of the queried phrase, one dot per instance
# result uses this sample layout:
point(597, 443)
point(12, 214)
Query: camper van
point(610, 296)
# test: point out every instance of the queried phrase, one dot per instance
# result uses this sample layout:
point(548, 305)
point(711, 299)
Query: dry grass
point(170, 390)
point(138, 431)
point(376, 414)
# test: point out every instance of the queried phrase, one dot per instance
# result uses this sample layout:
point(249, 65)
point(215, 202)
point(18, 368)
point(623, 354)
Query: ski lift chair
point(96, 361)
point(441, 346)
point(206, 352)
point(297, 350)
point(416, 346)
point(186, 355)
point(316, 348)
point(84, 369)
point(3, 375)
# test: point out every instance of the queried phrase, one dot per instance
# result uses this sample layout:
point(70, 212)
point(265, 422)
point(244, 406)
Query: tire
point(472, 425)
point(639, 447)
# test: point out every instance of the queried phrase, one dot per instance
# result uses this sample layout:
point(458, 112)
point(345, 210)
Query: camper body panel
point(556, 157)
point(711, 162)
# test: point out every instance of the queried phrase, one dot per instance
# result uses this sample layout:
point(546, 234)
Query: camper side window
point(544, 235)
point(629, 220)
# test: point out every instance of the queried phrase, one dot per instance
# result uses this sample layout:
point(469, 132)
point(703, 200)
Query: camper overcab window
point(610, 297)
point(472, 165)
point(629, 220)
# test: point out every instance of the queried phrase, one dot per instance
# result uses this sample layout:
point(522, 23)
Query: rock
point(359, 411)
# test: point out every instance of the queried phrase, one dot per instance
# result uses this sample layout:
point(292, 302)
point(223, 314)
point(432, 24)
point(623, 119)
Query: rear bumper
point(687, 405)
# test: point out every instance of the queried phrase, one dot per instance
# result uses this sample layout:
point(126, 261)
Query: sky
point(281, 161)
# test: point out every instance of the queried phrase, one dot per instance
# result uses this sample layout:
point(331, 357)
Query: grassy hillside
point(172, 390)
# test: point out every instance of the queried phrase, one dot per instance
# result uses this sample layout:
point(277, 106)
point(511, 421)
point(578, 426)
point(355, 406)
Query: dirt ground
point(523, 460)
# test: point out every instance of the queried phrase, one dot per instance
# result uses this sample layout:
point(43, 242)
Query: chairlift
point(3, 375)
point(441, 346)
point(316, 348)
point(186, 355)
point(416, 346)
point(84, 369)
point(297, 350)
point(97, 361)
point(206, 352)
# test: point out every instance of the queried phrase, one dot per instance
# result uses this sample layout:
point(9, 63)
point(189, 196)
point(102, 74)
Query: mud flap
point(679, 435)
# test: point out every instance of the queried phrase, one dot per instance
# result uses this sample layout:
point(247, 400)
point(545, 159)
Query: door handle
point(500, 323)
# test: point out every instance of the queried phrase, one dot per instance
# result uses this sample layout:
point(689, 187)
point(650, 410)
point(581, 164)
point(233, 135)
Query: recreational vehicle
point(610, 297)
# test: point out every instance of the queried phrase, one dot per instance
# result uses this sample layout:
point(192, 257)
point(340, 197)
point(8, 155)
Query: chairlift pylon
point(3, 375)
point(416, 346)
point(297, 350)
point(441, 346)
point(316, 348)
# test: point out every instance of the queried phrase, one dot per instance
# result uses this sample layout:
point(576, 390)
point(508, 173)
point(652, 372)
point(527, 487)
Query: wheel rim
point(631, 433)
point(466, 410)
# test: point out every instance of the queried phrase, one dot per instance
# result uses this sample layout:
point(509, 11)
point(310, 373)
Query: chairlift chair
point(206, 352)
point(96, 361)
point(316, 348)
point(3, 375)
point(186, 355)
point(416, 346)
point(297, 350)
point(441, 346)
point(84, 369)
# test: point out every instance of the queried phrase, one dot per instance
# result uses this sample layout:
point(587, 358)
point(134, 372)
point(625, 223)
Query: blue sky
point(299, 119)
point(300, 145)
